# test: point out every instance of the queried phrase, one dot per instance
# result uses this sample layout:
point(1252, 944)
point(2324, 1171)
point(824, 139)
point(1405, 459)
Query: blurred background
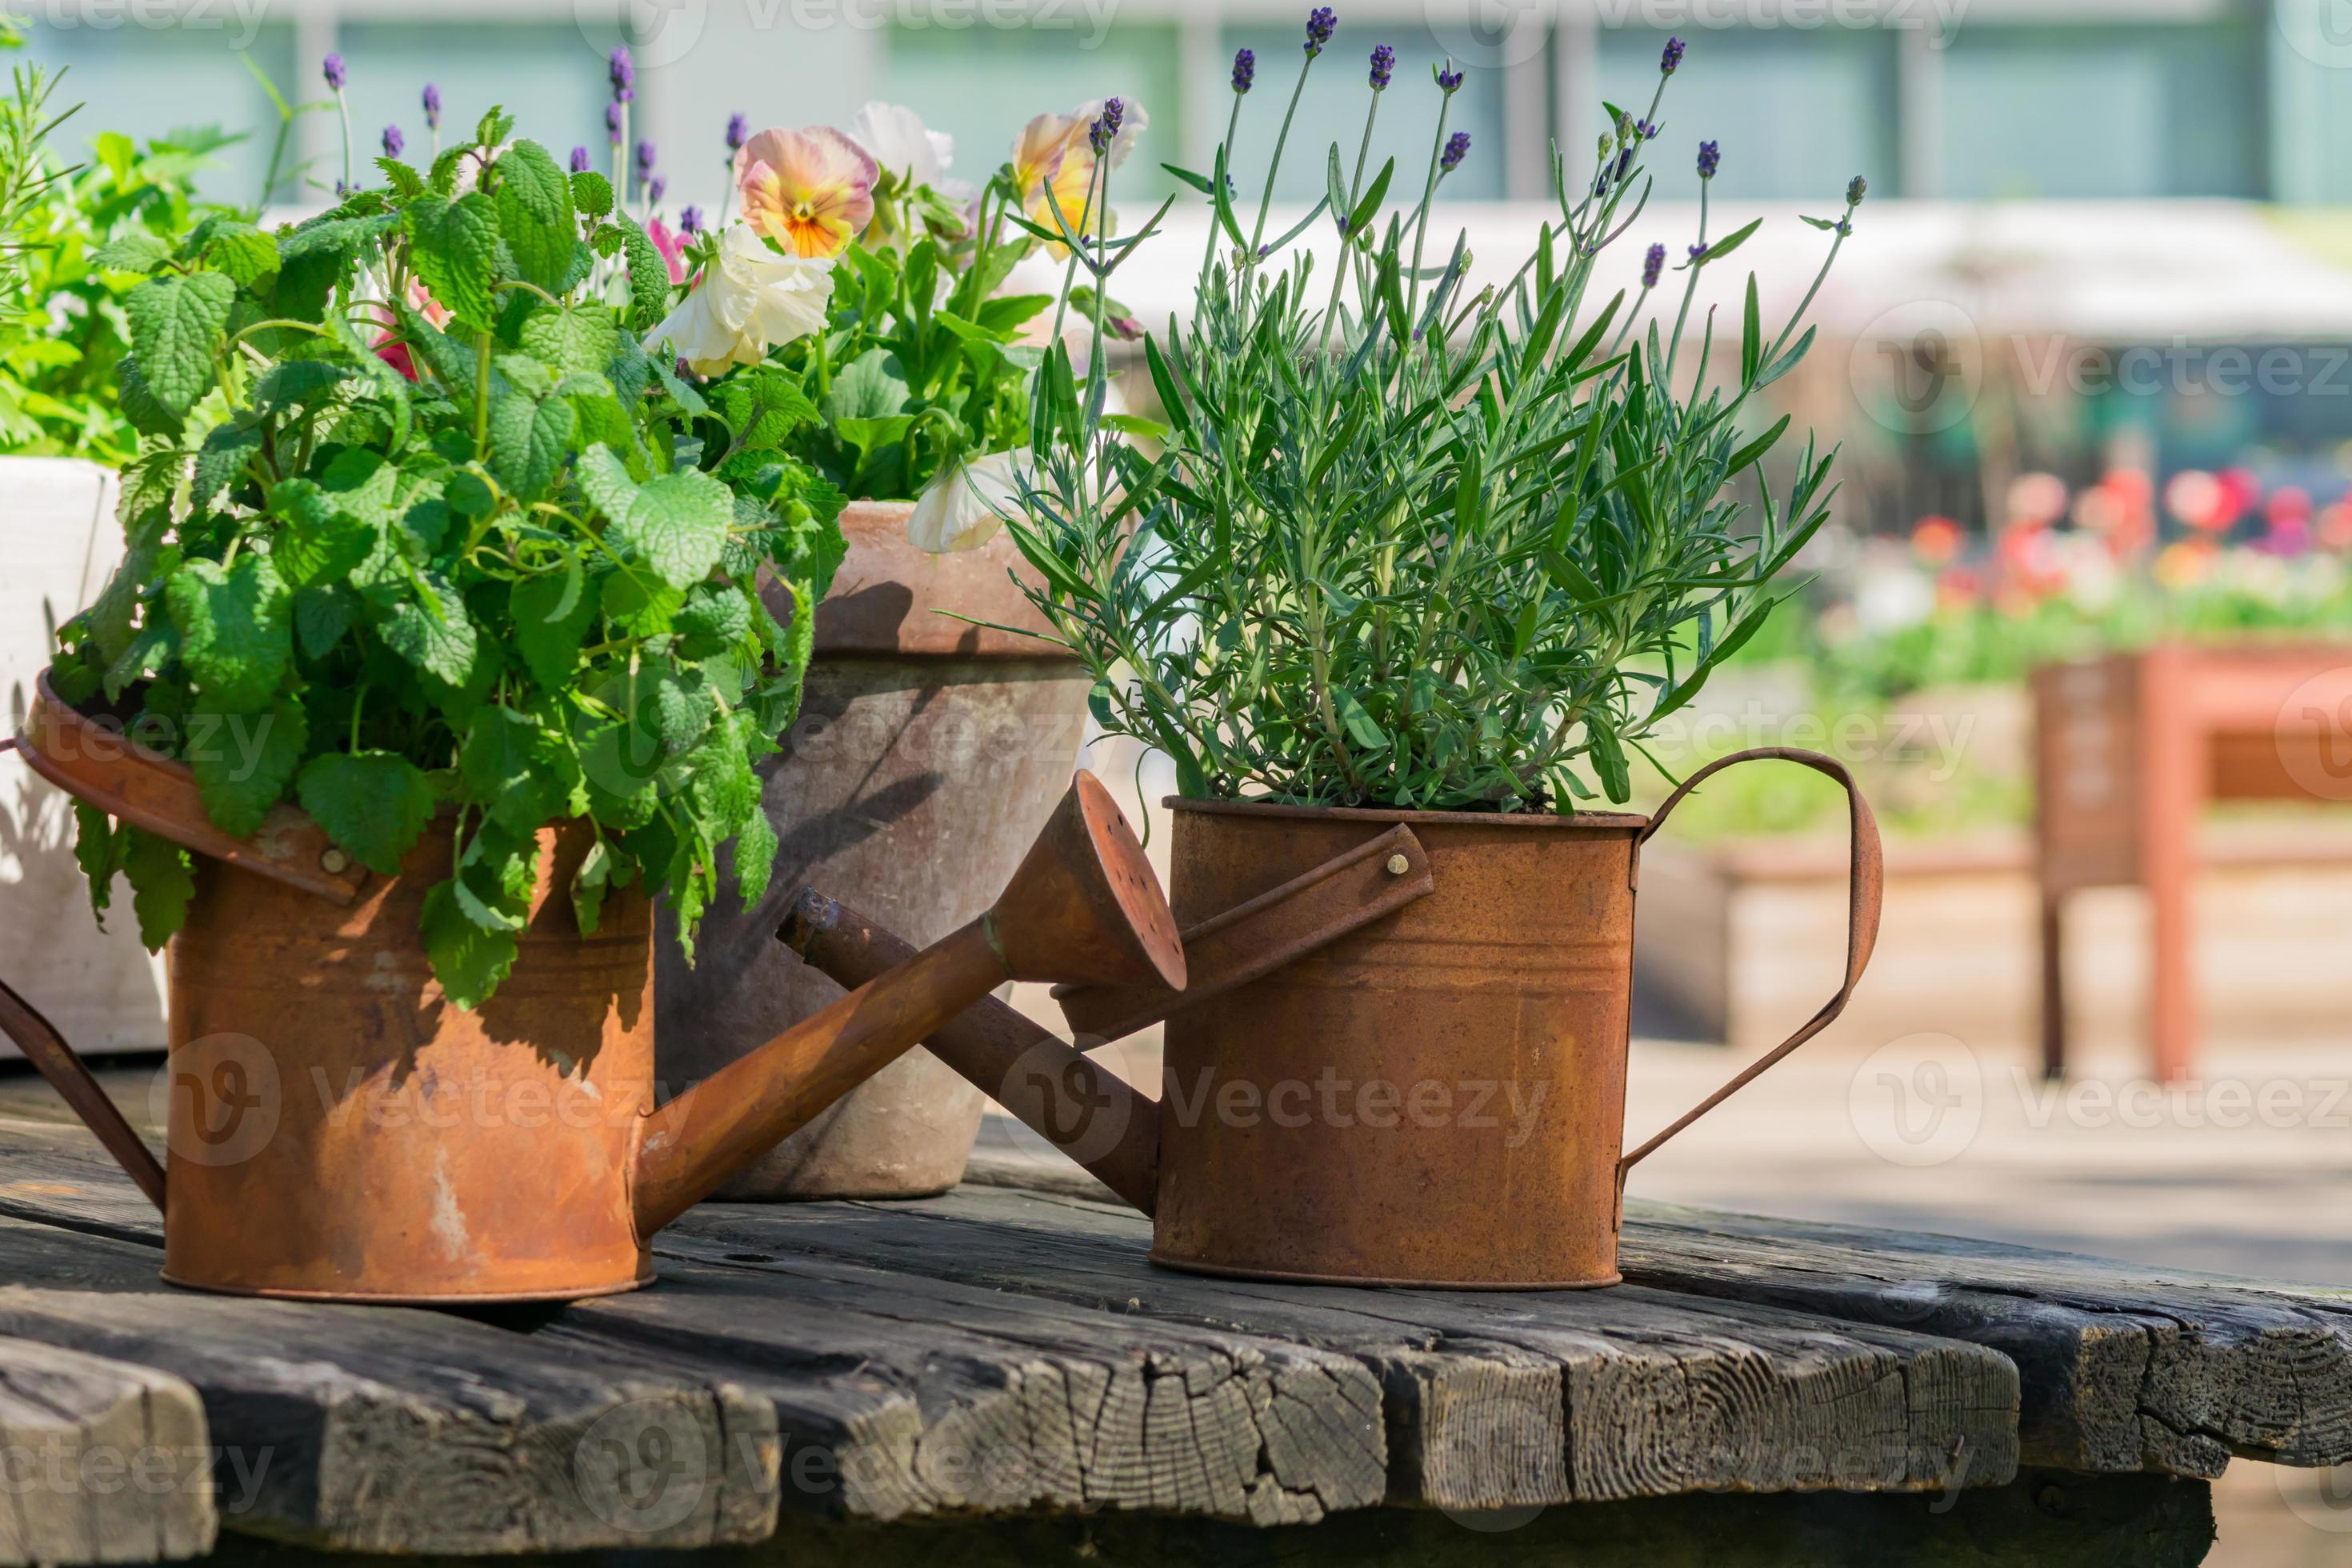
point(2087, 361)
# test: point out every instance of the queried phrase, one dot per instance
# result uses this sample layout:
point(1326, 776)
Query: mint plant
point(518, 589)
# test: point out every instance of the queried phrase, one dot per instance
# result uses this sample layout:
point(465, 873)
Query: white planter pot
point(103, 990)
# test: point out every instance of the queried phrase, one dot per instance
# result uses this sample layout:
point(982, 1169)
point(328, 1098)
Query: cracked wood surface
point(2122, 1367)
point(101, 1461)
point(1010, 1352)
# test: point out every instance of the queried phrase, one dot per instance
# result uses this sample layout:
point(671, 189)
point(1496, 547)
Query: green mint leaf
point(524, 773)
point(755, 859)
point(648, 276)
point(136, 252)
point(592, 193)
point(94, 851)
point(220, 459)
point(433, 632)
point(528, 438)
point(591, 884)
point(467, 960)
point(604, 479)
point(678, 526)
point(534, 204)
point(141, 405)
point(162, 883)
point(318, 543)
point(713, 620)
point(177, 326)
point(242, 251)
point(551, 614)
point(374, 805)
point(244, 761)
point(454, 246)
point(321, 616)
point(235, 629)
point(580, 342)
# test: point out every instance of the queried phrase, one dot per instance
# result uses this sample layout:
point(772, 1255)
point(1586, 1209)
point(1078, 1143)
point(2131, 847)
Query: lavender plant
point(1401, 542)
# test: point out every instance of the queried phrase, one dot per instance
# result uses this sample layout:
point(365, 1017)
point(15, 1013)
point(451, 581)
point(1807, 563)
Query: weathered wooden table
point(998, 1375)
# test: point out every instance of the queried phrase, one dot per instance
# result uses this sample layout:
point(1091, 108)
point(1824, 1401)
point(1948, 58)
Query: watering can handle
point(1867, 880)
point(47, 1050)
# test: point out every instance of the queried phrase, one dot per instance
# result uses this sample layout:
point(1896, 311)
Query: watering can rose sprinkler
point(385, 1146)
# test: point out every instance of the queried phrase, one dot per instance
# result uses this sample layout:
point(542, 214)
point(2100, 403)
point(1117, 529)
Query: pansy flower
point(810, 190)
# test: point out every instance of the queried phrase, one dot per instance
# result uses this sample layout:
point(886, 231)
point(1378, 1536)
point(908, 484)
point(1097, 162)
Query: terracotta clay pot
point(926, 755)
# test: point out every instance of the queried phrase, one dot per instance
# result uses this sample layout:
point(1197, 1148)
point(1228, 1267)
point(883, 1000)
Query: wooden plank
point(385, 1429)
point(1012, 1402)
point(1491, 1399)
point(101, 1461)
point(2125, 1368)
point(2039, 1520)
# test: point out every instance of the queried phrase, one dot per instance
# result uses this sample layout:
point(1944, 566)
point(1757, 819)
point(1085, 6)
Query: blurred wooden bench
point(2127, 752)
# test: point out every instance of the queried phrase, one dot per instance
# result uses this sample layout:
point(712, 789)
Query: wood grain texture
point(2039, 1520)
point(2122, 1367)
point(1489, 1399)
point(101, 1461)
point(390, 1429)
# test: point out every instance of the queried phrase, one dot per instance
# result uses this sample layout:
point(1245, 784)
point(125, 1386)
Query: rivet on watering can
point(334, 862)
point(1399, 865)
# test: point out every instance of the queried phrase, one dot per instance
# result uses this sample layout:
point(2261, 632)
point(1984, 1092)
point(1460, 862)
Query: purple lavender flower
point(1244, 69)
point(1383, 67)
point(655, 191)
point(1105, 131)
point(1672, 58)
point(690, 221)
point(335, 73)
point(1645, 131)
point(1709, 155)
point(432, 107)
point(1624, 165)
point(613, 123)
point(1696, 251)
point(623, 72)
point(644, 161)
point(1321, 23)
point(739, 131)
point(1653, 263)
point(1448, 78)
point(1457, 147)
point(1855, 189)
point(579, 160)
point(393, 142)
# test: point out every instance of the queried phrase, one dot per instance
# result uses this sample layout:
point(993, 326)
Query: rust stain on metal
point(101, 766)
point(339, 1131)
point(1434, 1098)
point(1236, 946)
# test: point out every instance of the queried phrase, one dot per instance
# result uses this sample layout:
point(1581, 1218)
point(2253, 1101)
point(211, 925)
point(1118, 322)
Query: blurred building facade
point(1950, 99)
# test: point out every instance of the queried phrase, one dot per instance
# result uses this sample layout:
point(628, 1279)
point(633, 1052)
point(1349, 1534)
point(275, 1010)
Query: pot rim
point(1591, 821)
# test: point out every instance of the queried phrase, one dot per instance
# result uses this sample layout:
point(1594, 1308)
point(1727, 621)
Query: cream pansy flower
point(750, 300)
point(969, 502)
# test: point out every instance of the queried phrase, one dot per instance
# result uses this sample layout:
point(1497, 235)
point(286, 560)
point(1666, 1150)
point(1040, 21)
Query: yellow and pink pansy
point(1052, 153)
point(810, 190)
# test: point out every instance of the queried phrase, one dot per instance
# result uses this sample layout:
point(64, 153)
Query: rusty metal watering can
point(337, 1131)
point(1400, 1058)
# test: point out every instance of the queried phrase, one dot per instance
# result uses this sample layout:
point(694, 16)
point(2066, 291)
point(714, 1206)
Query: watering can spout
point(1083, 908)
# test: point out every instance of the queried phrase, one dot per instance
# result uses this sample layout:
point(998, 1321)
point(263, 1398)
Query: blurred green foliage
point(63, 333)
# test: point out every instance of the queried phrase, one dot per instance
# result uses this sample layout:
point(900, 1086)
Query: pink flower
point(396, 353)
point(672, 247)
point(810, 190)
